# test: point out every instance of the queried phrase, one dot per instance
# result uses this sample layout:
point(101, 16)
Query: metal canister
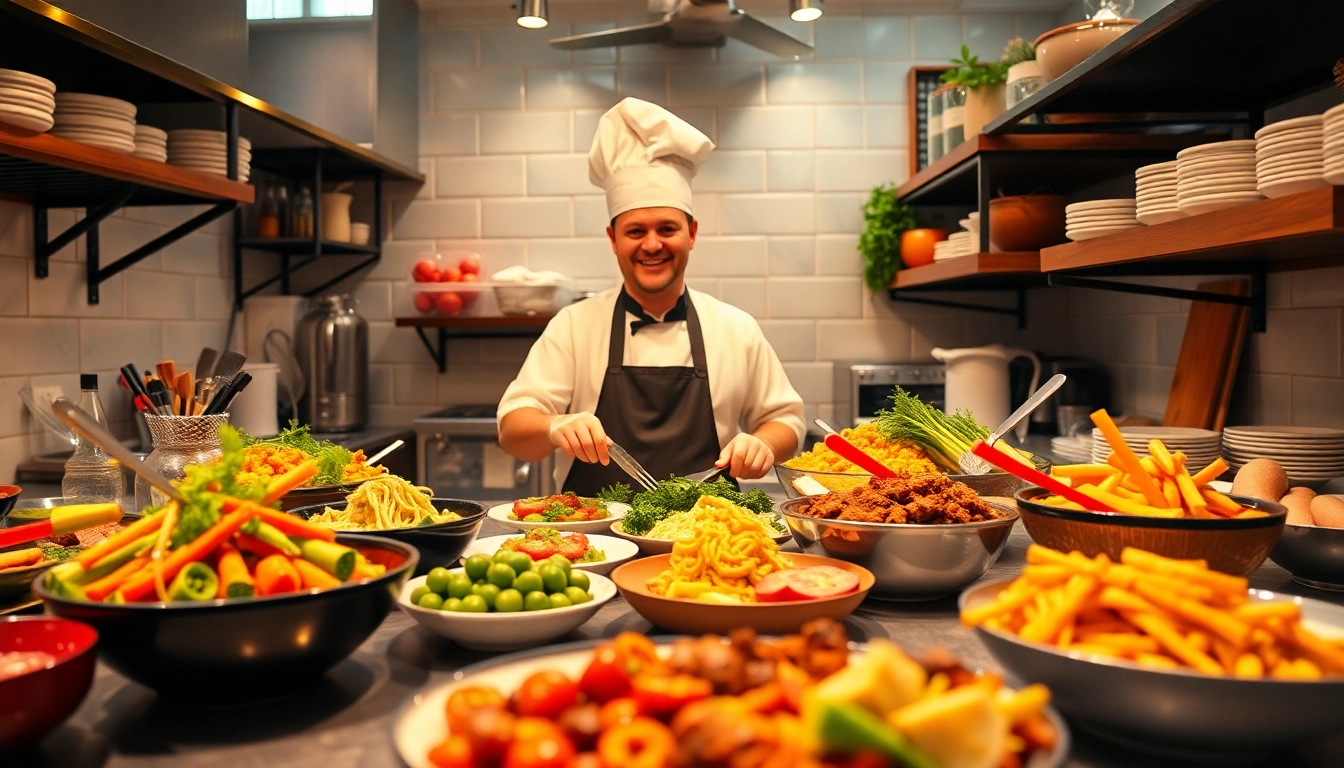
point(333, 350)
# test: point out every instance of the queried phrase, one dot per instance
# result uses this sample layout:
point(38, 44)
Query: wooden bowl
point(1026, 222)
point(1232, 545)
point(1064, 48)
point(691, 617)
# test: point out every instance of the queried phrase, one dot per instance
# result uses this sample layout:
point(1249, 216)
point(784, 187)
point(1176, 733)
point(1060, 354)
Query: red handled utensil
point(1032, 475)
point(850, 451)
point(63, 520)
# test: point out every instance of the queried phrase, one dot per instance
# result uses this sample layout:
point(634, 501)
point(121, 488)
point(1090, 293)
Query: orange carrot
point(276, 575)
point(130, 533)
point(190, 552)
point(289, 481)
point(256, 546)
point(293, 525)
point(234, 580)
point(314, 577)
point(97, 590)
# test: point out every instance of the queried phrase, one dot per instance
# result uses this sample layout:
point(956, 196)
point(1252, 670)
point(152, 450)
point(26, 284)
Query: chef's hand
point(580, 435)
point(747, 456)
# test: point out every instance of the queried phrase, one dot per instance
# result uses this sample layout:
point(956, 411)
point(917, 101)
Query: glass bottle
point(303, 213)
point(282, 206)
point(91, 475)
point(268, 218)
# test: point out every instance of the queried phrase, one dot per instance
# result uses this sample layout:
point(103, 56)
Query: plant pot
point(982, 106)
point(917, 246)
point(1026, 222)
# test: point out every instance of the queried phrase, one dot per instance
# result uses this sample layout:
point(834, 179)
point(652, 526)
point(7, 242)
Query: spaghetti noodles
point(728, 552)
point(383, 503)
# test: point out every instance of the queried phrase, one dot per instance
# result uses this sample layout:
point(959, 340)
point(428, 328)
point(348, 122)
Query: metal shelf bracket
point(1256, 301)
point(439, 354)
point(1020, 311)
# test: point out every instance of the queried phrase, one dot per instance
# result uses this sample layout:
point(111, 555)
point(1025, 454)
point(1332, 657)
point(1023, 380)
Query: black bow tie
point(645, 319)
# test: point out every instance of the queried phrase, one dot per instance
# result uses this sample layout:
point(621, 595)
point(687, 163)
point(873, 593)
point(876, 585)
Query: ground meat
point(918, 499)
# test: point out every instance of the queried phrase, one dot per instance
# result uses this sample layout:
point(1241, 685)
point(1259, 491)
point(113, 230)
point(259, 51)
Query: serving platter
point(615, 511)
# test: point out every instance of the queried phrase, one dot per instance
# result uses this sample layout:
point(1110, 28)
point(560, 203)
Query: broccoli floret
point(620, 492)
point(678, 494)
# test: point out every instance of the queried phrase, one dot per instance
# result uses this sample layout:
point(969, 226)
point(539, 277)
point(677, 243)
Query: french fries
point(1156, 485)
point(1159, 613)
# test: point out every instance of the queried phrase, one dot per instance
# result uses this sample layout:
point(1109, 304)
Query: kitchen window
point(314, 9)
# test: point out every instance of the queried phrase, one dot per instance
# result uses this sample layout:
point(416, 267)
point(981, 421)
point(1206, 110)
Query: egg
point(1327, 511)
point(1299, 503)
point(1261, 479)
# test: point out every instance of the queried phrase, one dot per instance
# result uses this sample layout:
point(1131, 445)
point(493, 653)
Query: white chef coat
point(564, 370)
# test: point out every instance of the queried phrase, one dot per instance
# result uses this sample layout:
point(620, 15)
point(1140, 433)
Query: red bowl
point(34, 703)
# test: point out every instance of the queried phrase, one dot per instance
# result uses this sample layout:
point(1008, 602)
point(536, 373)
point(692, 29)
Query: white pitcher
point(977, 381)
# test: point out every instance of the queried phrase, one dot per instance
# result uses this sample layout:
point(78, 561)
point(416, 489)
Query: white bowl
point(616, 550)
point(615, 509)
point(506, 631)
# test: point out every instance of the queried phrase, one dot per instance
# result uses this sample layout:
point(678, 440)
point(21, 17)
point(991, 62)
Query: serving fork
point(632, 468)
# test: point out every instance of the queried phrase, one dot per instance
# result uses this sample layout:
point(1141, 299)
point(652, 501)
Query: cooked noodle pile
point(382, 503)
point(728, 550)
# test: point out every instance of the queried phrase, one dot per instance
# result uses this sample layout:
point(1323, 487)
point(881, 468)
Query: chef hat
point(645, 157)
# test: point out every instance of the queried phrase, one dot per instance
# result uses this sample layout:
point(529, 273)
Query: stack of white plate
point(150, 143)
point(1075, 450)
point(1290, 156)
point(1333, 133)
point(26, 101)
point(1211, 177)
point(1156, 185)
point(99, 121)
point(1201, 446)
point(1307, 454)
point(1095, 218)
point(206, 151)
point(957, 244)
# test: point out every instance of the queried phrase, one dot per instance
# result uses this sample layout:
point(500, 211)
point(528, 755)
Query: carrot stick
point(276, 575)
point(256, 546)
point(105, 586)
point(190, 552)
point(1130, 463)
point(1210, 473)
point(141, 527)
point(314, 577)
point(289, 481)
point(293, 525)
point(234, 580)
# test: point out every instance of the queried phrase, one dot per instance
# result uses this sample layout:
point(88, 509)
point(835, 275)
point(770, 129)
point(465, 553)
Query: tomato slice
point(811, 583)
point(663, 696)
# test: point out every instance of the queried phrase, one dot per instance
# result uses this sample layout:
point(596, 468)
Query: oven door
point(474, 467)
point(872, 387)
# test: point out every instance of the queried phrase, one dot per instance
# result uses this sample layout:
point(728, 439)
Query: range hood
point(693, 23)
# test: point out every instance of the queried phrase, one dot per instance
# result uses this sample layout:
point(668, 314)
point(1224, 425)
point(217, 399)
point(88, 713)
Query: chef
point(679, 379)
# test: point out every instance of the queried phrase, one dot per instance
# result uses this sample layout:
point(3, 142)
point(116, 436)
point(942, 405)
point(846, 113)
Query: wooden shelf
point(1302, 231)
point(300, 245)
point(976, 271)
point(507, 326)
point(56, 172)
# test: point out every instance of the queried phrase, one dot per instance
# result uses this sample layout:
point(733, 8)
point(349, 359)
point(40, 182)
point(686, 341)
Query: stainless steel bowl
point(1313, 555)
point(994, 483)
point(1179, 713)
point(910, 562)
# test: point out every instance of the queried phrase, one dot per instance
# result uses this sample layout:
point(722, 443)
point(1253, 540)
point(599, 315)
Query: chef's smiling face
point(652, 246)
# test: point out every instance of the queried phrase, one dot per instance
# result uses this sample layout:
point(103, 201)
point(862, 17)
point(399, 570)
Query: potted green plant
point(1024, 72)
point(886, 220)
point(984, 86)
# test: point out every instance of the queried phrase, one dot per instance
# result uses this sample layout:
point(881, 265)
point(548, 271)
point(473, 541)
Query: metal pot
point(333, 349)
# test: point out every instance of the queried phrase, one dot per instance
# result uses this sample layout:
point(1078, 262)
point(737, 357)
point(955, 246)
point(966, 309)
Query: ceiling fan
point(693, 23)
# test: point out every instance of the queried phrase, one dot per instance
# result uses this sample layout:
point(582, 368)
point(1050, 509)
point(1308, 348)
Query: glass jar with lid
point(954, 117)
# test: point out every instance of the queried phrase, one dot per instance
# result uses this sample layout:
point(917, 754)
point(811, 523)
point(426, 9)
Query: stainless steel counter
point(345, 721)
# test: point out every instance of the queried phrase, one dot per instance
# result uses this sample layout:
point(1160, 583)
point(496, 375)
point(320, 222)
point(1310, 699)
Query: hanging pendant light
point(805, 10)
point(532, 14)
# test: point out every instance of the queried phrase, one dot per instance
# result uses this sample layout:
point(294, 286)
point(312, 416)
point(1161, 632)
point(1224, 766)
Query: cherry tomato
point(450, 274)
point(424, 302)
point(425, 271)
point(605, 678)
point(454, 752)
point(550, 752)
point(545, 694)
point(490, 732)
point(617, 712)
point(662, 696)
point(810, 583)
point(470, 265)
point(534, 728)
point(641, 743)
point(464, 702)
point(586, 760)
point(449, 303)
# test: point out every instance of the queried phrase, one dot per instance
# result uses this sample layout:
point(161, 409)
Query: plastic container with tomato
point(449, 285)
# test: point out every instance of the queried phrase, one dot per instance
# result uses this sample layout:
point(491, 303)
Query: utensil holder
point(179, 441)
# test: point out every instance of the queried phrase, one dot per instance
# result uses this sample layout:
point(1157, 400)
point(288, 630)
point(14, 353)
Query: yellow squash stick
point(1128, 461)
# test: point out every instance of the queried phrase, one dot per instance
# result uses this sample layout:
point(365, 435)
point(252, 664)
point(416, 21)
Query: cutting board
point(1207, 366)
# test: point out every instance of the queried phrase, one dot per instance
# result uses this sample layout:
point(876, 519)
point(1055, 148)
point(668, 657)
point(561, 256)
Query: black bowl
point(440, 545)
point(228, 652)
point(9, 494)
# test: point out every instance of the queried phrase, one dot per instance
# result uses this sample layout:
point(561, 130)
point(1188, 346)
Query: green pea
point(553, 578)
point(459, 585)
point(431, 600)
point(418, 593)
point(452, 604)
point(476, 566)
point(500, 575)
point(558, 600)
point(536, 601)
point(487, 592)
point(474, 604)
point(578, 578)
point(561, 562)
point(509, 601)
point(577, 596)
point(437, 580)
point(519, 562)
point(529, 581)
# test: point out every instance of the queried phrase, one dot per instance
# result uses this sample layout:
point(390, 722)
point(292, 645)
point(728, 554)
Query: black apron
point(663, 416)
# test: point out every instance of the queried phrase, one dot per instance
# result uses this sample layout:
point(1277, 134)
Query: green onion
point(945, 438)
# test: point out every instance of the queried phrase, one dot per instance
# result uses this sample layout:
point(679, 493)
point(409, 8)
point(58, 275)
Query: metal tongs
point(632, 468)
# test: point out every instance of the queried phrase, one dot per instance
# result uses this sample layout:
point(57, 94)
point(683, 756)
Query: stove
point(460, 457)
